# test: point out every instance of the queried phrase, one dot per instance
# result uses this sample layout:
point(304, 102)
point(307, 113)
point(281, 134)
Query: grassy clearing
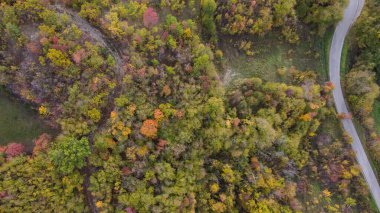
point(18, 123)
point(314, 200)
point(272, 53)
point(332, 127)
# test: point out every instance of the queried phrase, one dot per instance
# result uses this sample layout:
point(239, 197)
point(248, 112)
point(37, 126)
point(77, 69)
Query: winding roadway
point(351, 13)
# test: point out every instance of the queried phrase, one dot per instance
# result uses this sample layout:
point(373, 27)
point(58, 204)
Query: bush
point(14, 149)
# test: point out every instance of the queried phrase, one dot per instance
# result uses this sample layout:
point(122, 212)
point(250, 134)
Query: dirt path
point(95, 34)
point(98, 37)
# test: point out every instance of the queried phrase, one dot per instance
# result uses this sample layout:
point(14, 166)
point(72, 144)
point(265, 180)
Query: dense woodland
point(145, 124)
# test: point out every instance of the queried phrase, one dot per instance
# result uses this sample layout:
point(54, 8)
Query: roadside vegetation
point(362, 81)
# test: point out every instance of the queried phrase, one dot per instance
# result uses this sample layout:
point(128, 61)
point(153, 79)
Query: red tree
point(55, 39)
point(41, 143)
point(78, 56)
point(161, 144)
point(126, 171)
point(150, 17)
point(14, 149)
point(2, 149)
point(130, 210)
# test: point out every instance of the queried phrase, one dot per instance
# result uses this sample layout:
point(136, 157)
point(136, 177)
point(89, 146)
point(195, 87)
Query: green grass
point(272, 53)
point(18, 122)
point(376, 115)
point(346, 62)
point(323, 44)
point(332, 127)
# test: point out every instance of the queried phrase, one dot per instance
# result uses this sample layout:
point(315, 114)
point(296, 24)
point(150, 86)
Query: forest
point(143, 122)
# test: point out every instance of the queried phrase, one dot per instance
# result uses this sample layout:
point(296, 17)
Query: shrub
point(14, 149)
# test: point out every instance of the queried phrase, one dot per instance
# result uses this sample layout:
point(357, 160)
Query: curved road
point(350, 15)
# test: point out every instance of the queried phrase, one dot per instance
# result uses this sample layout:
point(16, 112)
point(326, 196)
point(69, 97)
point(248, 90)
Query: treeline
point(247, 20)
point(241, 18)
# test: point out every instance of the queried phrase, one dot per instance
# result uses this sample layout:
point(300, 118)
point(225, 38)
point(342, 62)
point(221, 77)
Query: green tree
point(58, 58)
point(69, 154)
point(90, 11)
point(321, 14)
point(208, 8)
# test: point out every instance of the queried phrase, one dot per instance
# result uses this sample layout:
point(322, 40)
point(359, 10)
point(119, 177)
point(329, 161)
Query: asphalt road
point(350, 15)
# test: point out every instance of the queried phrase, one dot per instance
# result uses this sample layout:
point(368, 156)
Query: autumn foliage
point(150, 17)
point(126, 171)
point(329, 86)
point(158, 115)
point(78, 56)
point(149, 128)
point(41, 143)
point(246, 146)
point(344, 116)
point(161, 144)
point(14, 149)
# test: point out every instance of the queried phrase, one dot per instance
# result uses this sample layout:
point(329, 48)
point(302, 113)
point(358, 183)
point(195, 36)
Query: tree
point(158, 114)
point(78, 56)
point(58, 58)
point(69, 154)
point(266, 132)
point(13, 31)
point(41, 143)
point(362, 90)
point(94, 114)
point(321, 15)
point(367, 36)
point(208, 8)
point(90, 11)
point(150, 18)
point(149, 128)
